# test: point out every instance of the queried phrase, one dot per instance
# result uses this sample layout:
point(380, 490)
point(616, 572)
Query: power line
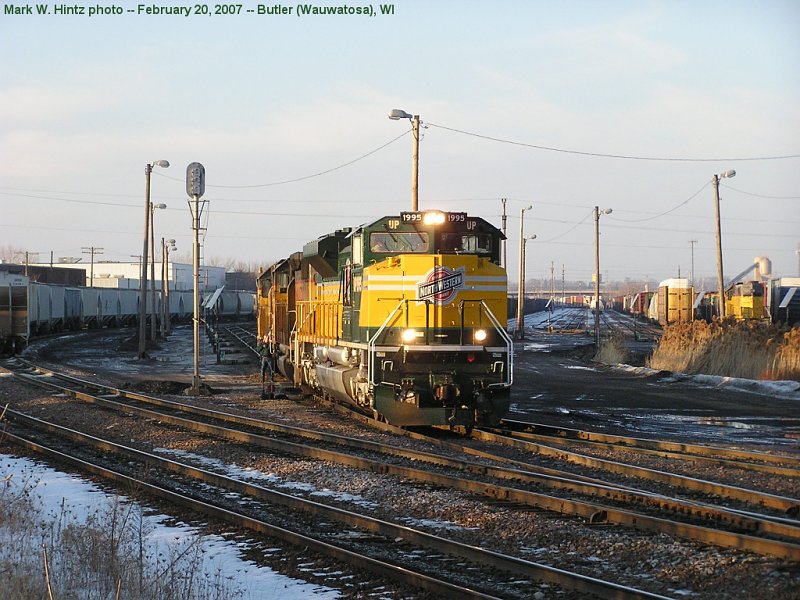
point(181, 198)
point(604, 155)
point(761, 195)
point(325, 172)
point(568, 230)
point(674, 208)
point(337, 215)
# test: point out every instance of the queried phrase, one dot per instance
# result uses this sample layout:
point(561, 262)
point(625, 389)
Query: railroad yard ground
point(554, 384)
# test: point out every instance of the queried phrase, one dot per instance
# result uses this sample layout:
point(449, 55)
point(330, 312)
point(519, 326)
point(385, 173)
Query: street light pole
point(798, 260)
point(520, 330)
point(166, 246)
point(395, 115)
point(597, 213)
point(143, 267)
point(720, 278)
point(153, 320)
point(505, 241)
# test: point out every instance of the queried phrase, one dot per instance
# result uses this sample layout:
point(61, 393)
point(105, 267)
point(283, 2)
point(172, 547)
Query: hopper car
point(402, 318)
point(29, 309)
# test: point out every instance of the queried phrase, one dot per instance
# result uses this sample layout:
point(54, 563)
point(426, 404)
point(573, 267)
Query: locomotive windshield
point(386, 242)
point(473, 243)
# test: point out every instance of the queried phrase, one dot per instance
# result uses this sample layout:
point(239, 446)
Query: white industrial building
point(125, 275)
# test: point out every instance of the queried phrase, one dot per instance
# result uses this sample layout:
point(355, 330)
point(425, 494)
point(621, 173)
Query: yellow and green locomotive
point(403, 317)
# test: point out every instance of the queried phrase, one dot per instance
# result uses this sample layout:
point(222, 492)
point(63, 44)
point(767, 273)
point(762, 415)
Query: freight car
point(784, 300)
point(401, 318)
point(638, 304)
point(673, 303)
point(28, 309)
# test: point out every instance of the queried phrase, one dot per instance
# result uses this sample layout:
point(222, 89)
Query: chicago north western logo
point(441, 285)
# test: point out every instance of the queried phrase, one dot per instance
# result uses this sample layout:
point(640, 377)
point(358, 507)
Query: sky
point(562, 106)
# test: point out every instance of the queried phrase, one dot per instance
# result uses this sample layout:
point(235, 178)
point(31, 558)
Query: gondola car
point(401, 317)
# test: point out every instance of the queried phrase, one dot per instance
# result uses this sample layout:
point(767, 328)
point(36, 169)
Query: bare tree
point(11, 253)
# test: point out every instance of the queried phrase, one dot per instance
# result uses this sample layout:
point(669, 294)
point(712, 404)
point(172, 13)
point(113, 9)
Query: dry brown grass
point(747, 349)
point(102, 555)
point(613, 351)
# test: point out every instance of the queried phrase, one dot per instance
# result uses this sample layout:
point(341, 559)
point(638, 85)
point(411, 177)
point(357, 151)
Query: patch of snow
point(789, 389)
point(247, 474)
point(436, 524)
point(56, 491)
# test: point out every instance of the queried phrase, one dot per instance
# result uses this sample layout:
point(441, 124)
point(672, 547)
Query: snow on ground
point(777, 389)
point(246, 474)
point(55, 490)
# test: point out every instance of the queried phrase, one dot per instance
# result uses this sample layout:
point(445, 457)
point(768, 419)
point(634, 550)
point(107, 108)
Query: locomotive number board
point(419, 217)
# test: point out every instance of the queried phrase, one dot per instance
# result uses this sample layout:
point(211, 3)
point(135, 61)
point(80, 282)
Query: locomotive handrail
point(327, 328)
point(372, 343)
point(509, 344)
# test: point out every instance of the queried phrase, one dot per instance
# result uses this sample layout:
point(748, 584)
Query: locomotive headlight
point(409, 335)
point(480, 335)
point(433, 218)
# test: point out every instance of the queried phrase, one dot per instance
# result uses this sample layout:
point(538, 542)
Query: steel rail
point(591, 511)
point(354, 559)
point(550, 478)
point(482, 556)
point(782, 503)
point(243, 337)
point(785, 504)
point(634, 443)
point(771, 468)
point(557, 479)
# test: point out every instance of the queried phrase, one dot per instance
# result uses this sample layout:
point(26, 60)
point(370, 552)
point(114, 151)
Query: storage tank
point(763, 267)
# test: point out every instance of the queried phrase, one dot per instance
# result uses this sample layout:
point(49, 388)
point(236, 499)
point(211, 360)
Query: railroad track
point(785, 527)
point(766, 462)
point(534, 487)
point(564, 319)
point(244, 336)
point(629, 326)
point(786, 531)
point(486, 562)
point(430, 563)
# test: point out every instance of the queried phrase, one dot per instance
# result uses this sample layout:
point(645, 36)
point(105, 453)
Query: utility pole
point(92, 251)
point(692, 242)
point(520, 331)
point(415, 159)
point(720, 278)
point(798, 259)
point(552, 280)
point(597, 213)
point(395, 115)
point(597, 277)
point(563, 285)
point(505, 241)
